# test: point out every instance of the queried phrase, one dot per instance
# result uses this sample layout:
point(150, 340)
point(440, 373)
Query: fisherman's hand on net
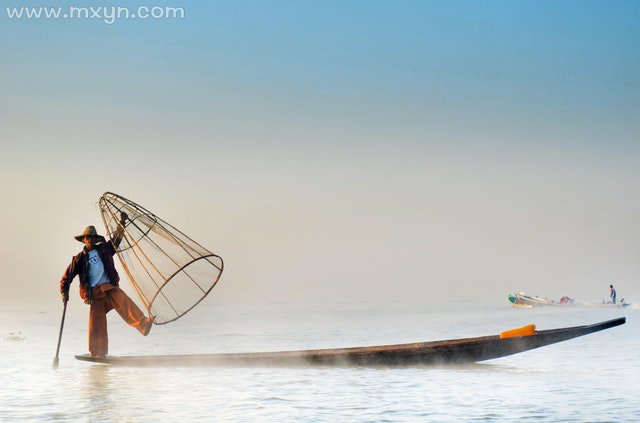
point(65, 297)
point(123, 217)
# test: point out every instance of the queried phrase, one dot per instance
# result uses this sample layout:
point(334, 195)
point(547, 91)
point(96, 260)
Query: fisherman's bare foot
point(148, 328)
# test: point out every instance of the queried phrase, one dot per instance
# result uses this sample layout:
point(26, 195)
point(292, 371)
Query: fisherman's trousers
point(106, 297)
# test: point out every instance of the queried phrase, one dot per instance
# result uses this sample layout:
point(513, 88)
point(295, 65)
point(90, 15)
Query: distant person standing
point(612, 294)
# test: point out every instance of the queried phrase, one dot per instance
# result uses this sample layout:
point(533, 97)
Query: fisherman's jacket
point(79, 267)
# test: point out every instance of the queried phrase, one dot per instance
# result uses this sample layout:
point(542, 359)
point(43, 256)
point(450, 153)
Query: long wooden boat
point(454, 351)
point(522, 300)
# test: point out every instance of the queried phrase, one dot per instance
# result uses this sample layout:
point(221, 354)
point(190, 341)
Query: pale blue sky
point(356, 150)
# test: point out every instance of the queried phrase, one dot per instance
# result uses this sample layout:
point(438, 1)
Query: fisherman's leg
point(129, 311)
point(98, 336)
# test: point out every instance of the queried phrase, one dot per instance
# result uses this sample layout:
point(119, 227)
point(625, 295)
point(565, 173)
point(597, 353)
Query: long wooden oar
point(56, 360)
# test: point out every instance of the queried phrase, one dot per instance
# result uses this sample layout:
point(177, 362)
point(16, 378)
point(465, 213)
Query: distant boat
point(521, 300)
point(454, 351)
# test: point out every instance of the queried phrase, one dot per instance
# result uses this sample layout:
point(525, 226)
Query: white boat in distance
point(522, 300)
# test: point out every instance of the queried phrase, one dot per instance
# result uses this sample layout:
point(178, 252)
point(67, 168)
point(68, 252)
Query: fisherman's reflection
point(100, 392)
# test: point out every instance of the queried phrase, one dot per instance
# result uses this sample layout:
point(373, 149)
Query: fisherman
point(99, 287)
point(612, 294)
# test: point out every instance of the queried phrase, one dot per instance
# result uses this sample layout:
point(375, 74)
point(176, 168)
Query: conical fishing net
point(170, 272)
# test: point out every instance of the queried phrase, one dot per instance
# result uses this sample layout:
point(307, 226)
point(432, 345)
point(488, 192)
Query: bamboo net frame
point(169, 271)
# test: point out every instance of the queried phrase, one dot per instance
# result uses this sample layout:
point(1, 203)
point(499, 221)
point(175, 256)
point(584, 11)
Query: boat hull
point(456, 351)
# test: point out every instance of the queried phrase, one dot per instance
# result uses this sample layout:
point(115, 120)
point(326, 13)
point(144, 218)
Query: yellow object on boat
point(523, 331)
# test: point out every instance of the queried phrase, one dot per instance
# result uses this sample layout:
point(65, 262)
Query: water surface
point(593, 378)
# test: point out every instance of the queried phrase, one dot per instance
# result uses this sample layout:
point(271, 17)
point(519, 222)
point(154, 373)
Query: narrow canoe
point(456, 351)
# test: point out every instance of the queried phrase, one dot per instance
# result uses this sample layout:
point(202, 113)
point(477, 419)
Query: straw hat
point(90, 231)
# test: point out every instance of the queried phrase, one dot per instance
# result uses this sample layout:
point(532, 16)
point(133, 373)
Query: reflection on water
point(591, 378)
point(99, 389)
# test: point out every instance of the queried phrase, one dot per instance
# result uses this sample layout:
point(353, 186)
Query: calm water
point(593, 378)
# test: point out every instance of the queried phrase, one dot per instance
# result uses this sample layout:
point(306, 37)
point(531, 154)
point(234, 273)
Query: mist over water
point(592, 378)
